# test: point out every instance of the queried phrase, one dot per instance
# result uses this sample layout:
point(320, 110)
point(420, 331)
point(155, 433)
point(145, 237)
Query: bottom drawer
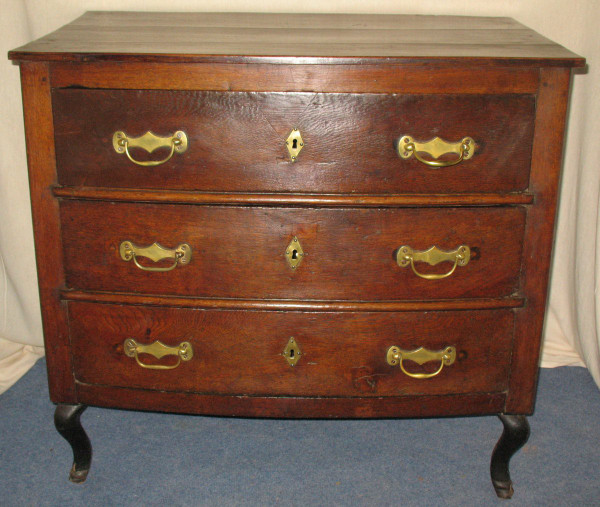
point(244, 352)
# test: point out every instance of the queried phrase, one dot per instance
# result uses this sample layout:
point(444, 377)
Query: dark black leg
point(514, 436)
point(66, 420)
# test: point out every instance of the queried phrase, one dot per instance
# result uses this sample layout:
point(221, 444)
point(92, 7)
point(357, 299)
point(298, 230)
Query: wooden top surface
point(298, 38)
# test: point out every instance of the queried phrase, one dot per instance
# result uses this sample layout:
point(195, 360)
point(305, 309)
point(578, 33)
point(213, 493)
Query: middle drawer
point(249, 252)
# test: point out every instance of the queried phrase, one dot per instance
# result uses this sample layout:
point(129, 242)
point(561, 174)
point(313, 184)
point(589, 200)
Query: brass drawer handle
point(183, 351)
point(150, 142)
point(436, 147)
point(180, 255)
point(396, 356)
point(407, 256)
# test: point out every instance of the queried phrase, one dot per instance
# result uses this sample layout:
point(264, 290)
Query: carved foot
point(66, 420)
point(514, 436)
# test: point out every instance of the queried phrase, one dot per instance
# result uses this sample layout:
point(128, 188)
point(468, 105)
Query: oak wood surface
point(287, 199)
point(292, 406)
point(257, 76)
point(240, 251)
point(293, 305)
point(537, 248)
point(237, 84)
point(236, 141)
point(39, 131)
point(238, 36)
point(240, 353)
point(409, 77)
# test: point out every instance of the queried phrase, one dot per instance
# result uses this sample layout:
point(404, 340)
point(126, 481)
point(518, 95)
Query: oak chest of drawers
point(308, 216)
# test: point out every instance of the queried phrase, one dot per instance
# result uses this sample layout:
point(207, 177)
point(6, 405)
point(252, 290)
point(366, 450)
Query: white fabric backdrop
point(571, 335)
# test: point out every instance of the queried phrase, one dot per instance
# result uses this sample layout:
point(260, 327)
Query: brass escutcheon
point(292, 352)
point(294, 253)
point(294, 144)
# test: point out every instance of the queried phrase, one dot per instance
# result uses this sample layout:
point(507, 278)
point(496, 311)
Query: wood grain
point(537, 248)
point(290, 305)
point(240, 252)
point(296, 76)
point(292, 406)
point(300, 20)
point(294, 200)
point(172, 36)
point(237, 140)
point(237, 84)
point(39, 131)
point(240, 353)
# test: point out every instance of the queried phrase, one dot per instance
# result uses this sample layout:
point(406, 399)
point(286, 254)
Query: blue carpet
point(159, 459)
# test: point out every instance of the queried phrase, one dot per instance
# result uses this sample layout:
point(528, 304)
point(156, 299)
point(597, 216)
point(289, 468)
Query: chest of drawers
point(307, 216)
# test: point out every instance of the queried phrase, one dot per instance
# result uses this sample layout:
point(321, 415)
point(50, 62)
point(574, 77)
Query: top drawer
point(237, 141)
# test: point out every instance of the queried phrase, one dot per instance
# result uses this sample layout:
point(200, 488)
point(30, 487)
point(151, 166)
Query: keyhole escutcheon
point(294, 253)
point(294, 144)
point(292, 352)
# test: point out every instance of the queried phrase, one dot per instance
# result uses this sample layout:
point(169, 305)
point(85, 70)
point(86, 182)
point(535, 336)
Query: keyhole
point(291, 353)
point(294, 254)
point(295, 144)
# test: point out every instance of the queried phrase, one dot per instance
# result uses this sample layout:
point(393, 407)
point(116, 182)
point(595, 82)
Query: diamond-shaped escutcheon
point(294, 253)
point(292, 352)
point(294, 144)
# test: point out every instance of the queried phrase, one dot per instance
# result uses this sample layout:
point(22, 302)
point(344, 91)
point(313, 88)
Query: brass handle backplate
point(180, 255)
point(406, 256)
point(396, 357)
point(150, 142)
point(184, 352)
point(436, 147)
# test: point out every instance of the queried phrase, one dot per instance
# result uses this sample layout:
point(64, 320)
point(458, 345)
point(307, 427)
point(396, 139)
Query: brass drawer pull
point(406, 255)
point(180, 255)
point(396, 356)
point(183, 351)
point(150, 142)
point(436, 147)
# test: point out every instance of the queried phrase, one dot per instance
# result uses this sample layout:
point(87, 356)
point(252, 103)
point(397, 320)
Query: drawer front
point(345, 254)
point(237, 141)
point(242, 352)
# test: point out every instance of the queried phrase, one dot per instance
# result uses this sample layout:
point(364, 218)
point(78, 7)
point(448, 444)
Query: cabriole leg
point(66, 420)
point(514, 436)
